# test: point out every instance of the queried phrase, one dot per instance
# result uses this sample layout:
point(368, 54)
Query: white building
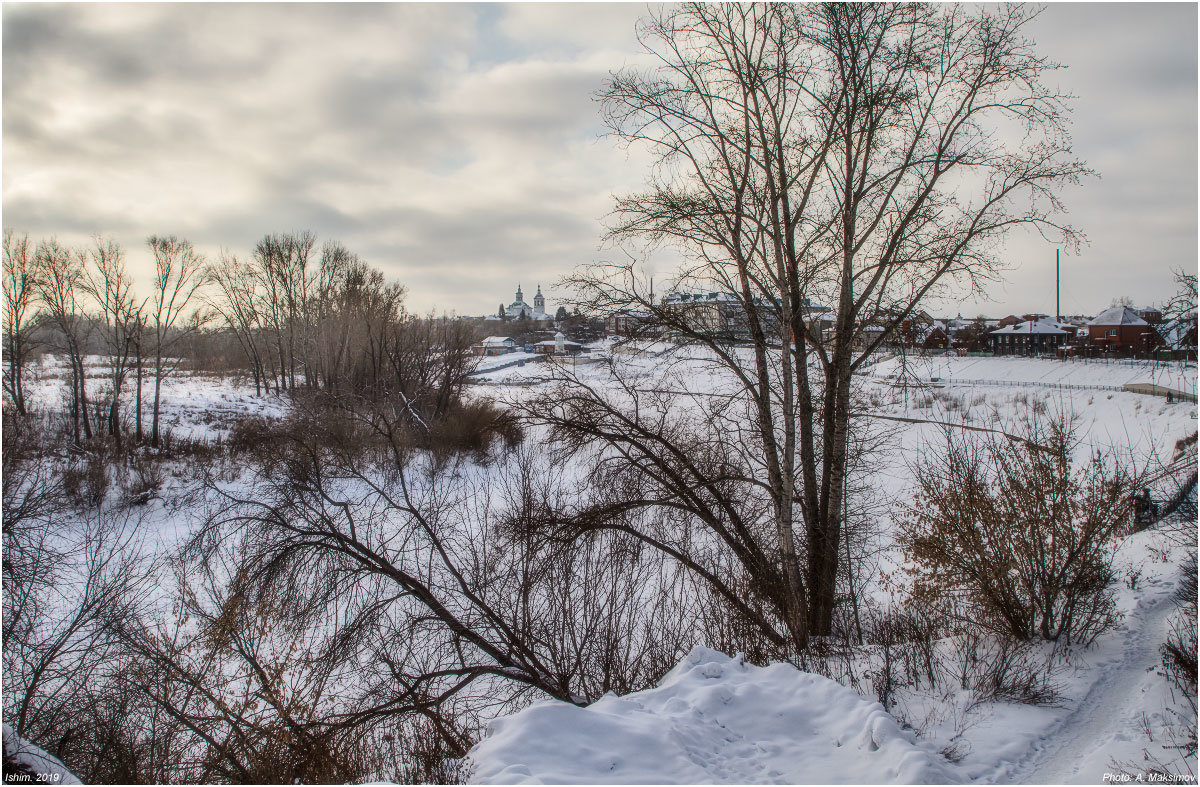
point(535, 312)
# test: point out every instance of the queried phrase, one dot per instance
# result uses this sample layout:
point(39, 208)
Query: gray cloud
point(455, 145)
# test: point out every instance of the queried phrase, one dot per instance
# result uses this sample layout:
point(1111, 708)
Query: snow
point(716, 719)
point(1104, 374)
point(48, 767)
point(712, 719)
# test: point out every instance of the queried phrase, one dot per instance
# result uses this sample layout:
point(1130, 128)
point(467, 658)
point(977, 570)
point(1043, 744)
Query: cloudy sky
point(457, 146)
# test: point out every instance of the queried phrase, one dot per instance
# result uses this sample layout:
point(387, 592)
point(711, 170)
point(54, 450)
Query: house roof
point(1045, 327)
point(1118, 315)
point(494, 340)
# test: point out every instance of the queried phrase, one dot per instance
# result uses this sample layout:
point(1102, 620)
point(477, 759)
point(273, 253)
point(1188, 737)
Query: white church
point(535, 312)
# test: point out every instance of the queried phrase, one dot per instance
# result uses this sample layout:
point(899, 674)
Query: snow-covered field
point(711, 720)
point(715, 719)
point(1102, 373)
point(193, 405)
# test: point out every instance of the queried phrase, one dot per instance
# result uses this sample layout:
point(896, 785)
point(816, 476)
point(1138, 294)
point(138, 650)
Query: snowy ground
point(714, 719)
point(1102, 373)
point(1114, 708)
point(193, 405)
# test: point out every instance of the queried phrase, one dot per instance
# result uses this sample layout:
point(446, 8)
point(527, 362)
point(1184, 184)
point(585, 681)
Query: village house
point(558, 346)
point(1031, 337)
point(1121, 330)
point(496, 345)
point(629, 322)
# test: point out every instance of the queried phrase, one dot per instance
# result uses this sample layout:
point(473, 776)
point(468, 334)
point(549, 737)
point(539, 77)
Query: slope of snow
point(50, 769)
point(1079, 371)
point(712, 719)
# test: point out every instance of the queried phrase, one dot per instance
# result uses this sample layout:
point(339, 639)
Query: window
point(1112, 332)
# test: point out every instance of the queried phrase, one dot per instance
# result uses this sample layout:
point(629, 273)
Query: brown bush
point(474, 427)
point(1009, 531)
point(85, 480)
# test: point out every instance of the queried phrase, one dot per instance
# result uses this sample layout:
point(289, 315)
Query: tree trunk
point(157, 392)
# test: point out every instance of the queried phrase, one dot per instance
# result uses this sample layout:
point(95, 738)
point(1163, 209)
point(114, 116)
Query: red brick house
point(1122, 331)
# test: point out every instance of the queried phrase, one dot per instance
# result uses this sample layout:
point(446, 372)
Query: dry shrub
point(1179, 651)
point(85, 479)
point(1012, 533)
point(474, 427)
point(249, 433)
point(1001, 669)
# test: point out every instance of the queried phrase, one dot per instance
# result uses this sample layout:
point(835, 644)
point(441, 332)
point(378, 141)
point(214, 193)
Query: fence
point(1138, 388)
point(497, 368)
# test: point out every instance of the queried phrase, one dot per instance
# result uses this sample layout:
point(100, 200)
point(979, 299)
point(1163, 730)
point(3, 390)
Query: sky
point(458, 147)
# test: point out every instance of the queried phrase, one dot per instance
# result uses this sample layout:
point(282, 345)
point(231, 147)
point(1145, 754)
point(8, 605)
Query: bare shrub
point(473, 427)
point(143, 478)
point(1179, 651)
point(1018, 532)
point(904, 645)
point(1001, 669)
point(85, 479)
point(391, 587)
point(52, 661)
point(248, 434)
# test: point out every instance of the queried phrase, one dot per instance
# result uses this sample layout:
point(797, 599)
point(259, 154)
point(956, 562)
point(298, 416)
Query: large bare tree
point(858, 155)
point(60, 289)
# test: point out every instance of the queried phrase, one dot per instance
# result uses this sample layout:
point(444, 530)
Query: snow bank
point(50, 769)
point(712, 719)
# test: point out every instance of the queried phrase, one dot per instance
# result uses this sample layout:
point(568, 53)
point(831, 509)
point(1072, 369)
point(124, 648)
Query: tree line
point(301, 315)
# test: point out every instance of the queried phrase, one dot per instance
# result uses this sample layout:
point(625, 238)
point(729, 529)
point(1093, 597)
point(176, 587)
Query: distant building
point(1031, 337)
point(724, 313)
point(496, 345)
point(1151, 315)
point(629, 322)
point(558, 346)
point(1122, 330)
point(519, 307)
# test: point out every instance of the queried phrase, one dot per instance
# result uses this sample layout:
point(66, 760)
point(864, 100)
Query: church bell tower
point(539, 302)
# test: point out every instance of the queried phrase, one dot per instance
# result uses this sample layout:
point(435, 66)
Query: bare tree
point(109, 284)
point(20, 300)
point(178, 274)
point(861, 156)
point(282, 262)
point(60, 280)
point(238, 300)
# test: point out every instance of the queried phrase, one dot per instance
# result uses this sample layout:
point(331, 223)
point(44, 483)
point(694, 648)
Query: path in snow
point(1076, 750)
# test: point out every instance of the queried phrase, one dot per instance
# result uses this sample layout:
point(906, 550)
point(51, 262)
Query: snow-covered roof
point(1177, 332)
point(1044, 327)
point(1118, 315)
point(551, 342)
point(701, 297)
point(495, 340)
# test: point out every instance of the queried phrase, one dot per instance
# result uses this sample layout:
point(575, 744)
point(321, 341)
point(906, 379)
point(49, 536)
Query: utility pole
point(1057, 288)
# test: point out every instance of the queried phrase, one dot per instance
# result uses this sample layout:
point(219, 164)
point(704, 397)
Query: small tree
point(20, 297)
point(107, 281)
point(1012, 533)
point(59, 282)
point(177, 277)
